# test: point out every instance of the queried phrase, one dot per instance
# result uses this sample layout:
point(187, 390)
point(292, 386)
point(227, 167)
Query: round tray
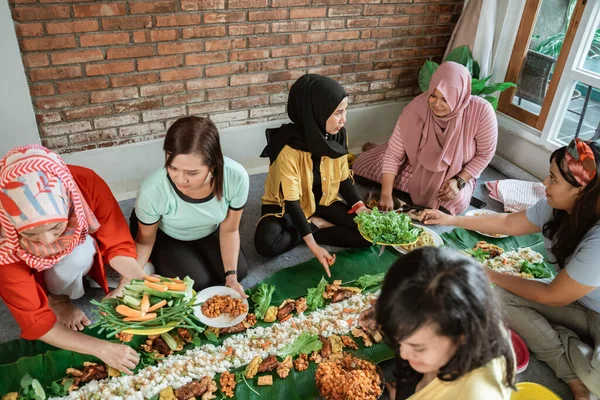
point(437, 239)
point(222, 321)
point(474, 213)
point(385, 244)
point(530, 390)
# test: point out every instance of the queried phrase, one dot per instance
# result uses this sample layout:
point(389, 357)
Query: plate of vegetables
point(149, 306)
point(388, 229)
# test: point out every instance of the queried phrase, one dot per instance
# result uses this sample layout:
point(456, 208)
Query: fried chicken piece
point(167, 394)
point(360, 333)
point(11, 396)
point(492, 249)
point(326, 349)
point(212, 388)
point(228, 383)
point(336, 344)
point(301, 363)
point(284, 367)
point(265, 380)
point(341, 294)
point(301, 305)
point(192, 389)
point(316, 357)
point(271, 314)
point(234, 329)
point(74, 372)
point(252, 368)
point(113, 372)
point(124, 337)
point(331, 288)
point(250, 320)
point(161, 346)
point(93, 372)
point(349, 342)
point(185, 335)
point(286, 309)
point(268, 364)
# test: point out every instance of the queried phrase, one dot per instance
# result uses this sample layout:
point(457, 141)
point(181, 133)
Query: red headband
point(581, 161)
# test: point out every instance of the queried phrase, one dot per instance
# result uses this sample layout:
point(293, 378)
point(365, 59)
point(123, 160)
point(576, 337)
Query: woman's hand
point(324, 258)
point(367, 320)
point(385, 203)
point(391, 388)
point(436, 217)
point(362, 210)
point(116, 292)
point(233, 283)
point(449, 190)
point(119, 356)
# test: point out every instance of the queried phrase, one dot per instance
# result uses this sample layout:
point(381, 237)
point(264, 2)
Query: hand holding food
point(118, 356)
point(385, 203)
point(449, 190)
point(324, 258)
point(233, 283)
point(435, 217)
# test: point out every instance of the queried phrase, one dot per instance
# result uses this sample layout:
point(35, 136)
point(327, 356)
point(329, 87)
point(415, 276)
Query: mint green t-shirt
point(184, 218)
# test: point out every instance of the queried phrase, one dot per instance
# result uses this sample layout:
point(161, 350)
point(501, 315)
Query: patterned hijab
point(37, 188)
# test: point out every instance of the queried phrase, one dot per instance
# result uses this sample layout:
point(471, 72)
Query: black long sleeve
point(348, 192)
point(295, 211)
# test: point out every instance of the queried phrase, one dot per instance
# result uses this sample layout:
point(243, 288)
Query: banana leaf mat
point(48, 364)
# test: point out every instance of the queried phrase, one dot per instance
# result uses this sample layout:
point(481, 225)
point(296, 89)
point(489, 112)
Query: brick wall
point(108, 73)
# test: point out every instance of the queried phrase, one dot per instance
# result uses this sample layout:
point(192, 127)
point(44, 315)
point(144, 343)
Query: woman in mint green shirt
point(187, 214)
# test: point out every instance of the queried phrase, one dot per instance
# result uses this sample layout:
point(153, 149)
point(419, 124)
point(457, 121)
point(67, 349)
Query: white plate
point(474, 213)
point(437, 239)
point(222, 321)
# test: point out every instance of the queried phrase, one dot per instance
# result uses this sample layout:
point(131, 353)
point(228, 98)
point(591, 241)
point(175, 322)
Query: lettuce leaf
point(366, 281)
point(538, 270)
point(262, 299)
point(305, 343)
point(314, 298)
point(387, 228)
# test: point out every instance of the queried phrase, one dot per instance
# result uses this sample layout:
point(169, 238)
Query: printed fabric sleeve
point(297, 215)
point(239, 186)
point(26, 299)
point(395, 152)
point(348, 192)
point(486, 139)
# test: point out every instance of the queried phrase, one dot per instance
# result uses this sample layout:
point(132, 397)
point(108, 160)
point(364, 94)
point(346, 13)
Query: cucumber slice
point(135, 288)
point(131, 301)
point(156, 293)
point(131, 293)
point(169, 340)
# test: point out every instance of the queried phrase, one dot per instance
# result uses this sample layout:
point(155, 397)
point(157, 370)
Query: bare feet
point(368, 146)
point(67, 313)
point(580, 391)
point(321, 223)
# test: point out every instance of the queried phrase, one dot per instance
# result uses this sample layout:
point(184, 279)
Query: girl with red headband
point(559, 319)
point(59, 223)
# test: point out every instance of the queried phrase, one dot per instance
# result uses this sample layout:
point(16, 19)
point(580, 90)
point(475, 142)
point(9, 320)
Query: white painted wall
point(17, 120)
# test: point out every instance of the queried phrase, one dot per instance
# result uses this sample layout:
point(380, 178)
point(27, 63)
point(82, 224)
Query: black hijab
point(312, 100)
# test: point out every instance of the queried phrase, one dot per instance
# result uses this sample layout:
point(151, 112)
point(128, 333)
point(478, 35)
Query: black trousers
point(276, 236)
point(199, 259)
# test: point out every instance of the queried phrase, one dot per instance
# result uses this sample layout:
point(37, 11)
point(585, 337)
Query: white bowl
point(437, 239)
point(223, 320)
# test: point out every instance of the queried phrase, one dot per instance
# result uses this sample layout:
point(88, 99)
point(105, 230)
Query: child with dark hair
point(558, 318)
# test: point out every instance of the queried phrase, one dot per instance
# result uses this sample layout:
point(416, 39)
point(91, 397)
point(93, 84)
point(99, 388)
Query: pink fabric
point(516, 195)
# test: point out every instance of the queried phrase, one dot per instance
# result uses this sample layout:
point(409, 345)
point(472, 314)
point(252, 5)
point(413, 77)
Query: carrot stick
point(177, 287)
point(152, 279)
point(146, 317)
point(176, 280)
point(128, 312)
point(156, 286)
point(229, 351)
point(157, 306)
point(266, 344)
point(350, 321)
point(145, 303)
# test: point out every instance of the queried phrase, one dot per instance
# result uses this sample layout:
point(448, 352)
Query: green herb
point(31, 389)
point(538, 270)
point(262, 299)
point(211, 336)
point(478, 254)
point(196, 341)
point(241, 377)
point(387, 228)
point(314, 298)
point(305, 343)
point(366, 281)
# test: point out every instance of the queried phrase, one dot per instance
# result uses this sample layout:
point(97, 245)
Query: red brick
point(152, 7)
point(60, 102)
point(248, 4)
point(383, 33)
point(41, 90)
point(374, 1)
point(106, 96)
point(204, 31)
point(43, 13)
point(33, 60)
point(329, 24)
point(220, 18)
point(45, 74)
point(290, 26)
point(205, 58)
point(109, 68)
point(361, 22)
point(342, 35)
point(88, 112)
point(346, 11)
point(181, 74)
point(374, 56)
point(372, 76)
point(103, 39)
point(285, 76)
point(423, 19)
point(252, 79)
point(290, 51)
point(325, 48)
point(266, 89)
point(248, 29)
point(271, 65)
point(99, 10)
point(290, 3)
point(47, 118)
point(205, 108)
point(22, 1)
point(207, 83)
point(178, 20)
point(164, 113)
point(48, 43)
point(330, 70)
point(82, 85)
point(391, 43)
point(228, 69)
point(162, 88)
point(187, 98)
point(267, 15)
point(382, 85)
point(66, 128)
point(133, 79)
point(296, 38)
point(368, 97)
point(93, 136)
point(34, 29)
point(380, 10)
point(246, 55)
point(55, 143)
point(328, 2)
point(109, 122)
point(196, 5)
point(309, 12)
point(237, 104)
point(410, 9)
point(77, 56)
point(57, 28)
point(359, 46)
point(228, 93)
point(267, 41)
point(224, 44)
point(267, 111)
point(393, 21)
point(155, 36)
point(137, 105)
point(180, 47)
point(129, 52)
point(159, 62)
point(125, 23)
point(304, 62)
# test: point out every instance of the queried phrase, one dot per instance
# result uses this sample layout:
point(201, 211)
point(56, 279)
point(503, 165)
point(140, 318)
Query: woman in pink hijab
point(442, 142)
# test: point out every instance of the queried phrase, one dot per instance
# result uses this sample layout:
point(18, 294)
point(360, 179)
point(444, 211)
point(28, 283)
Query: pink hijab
point(436, 149)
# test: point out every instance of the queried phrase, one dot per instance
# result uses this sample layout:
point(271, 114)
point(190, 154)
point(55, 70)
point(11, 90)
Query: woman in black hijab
point(308, 172)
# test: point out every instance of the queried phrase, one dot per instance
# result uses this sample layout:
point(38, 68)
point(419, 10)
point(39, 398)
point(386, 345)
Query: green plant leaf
point(461, 55)
point(497, 87)
point(425, 74)
point(262, 299)
point(26, 381)
point(38, 389)
point(476, 70)
point(477, 85)
point(493, 101)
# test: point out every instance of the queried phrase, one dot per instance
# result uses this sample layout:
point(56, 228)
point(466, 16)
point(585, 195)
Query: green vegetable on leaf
point(262, 299)
point(305, 343)
point(366, 281)
point(538, 270)
point(31, 389)
point(478, 254)
point(387, 228)
point(314, 298)
point(211, 336)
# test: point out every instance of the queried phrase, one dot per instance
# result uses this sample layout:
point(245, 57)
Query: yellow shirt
point(485, 383)
point(290, 178)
